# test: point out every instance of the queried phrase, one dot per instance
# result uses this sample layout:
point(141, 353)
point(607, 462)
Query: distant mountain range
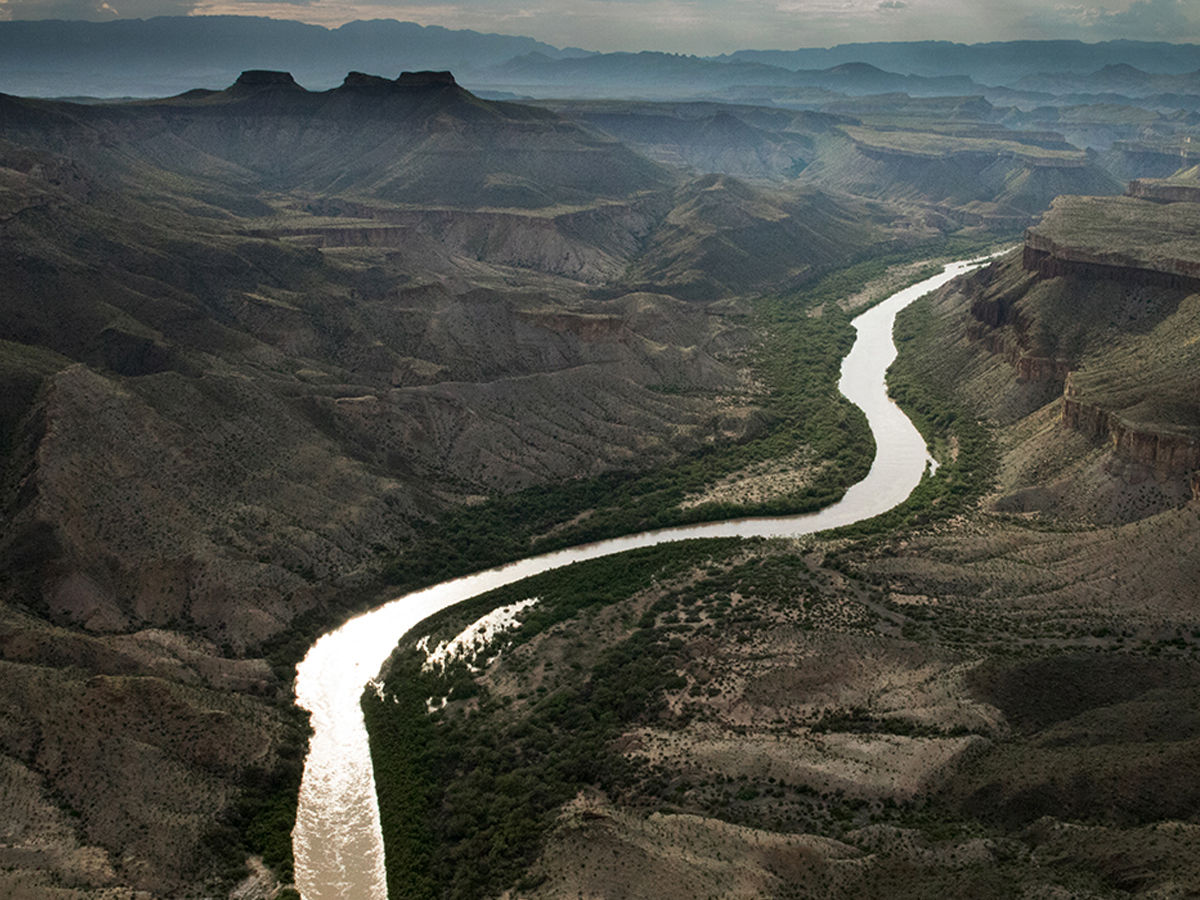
point(169, 54)
point(1117, 78)
point(660, 75)
point(1000, 62)
point(369, 138)
point(166, 55)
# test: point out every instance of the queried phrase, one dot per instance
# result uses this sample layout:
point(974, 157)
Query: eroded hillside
point(988, 692)
point(240, 375)
point(264, 348)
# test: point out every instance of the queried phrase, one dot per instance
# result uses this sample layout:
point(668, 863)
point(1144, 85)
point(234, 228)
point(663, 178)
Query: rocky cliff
point(1152, 248)
point(1100, 307)
point(1164, 190)
point(997, 179)
point(1166, 454)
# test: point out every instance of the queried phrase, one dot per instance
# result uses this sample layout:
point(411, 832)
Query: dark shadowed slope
point(415, 139)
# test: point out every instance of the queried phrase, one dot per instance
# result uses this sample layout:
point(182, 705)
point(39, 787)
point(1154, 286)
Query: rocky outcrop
point(1006, 308)
point(363, 80)
point(1050, 259)
point(1163, 191)
point(999, 325)
point(1042, 368)
point(265, 78)
point(1028, 368)
point(407, 80)
point(425, 79)
point(1166, 454)
point(1124, 240)
point(590, 245)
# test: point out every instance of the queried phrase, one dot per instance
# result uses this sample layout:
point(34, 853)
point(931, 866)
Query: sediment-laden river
point(337, 840)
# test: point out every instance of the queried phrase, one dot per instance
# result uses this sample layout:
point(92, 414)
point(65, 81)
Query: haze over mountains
point(166, 55)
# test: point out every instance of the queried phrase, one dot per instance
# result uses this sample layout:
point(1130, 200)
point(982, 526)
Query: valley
point(272, 355)
point(966, 701)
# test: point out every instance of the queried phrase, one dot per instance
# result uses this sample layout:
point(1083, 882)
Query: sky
point(696, 26)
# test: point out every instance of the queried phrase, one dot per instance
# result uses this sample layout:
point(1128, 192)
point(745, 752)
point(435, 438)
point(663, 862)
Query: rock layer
point(1166, 454)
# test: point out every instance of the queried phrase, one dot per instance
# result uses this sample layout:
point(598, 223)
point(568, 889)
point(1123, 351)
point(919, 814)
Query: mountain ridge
point(168, 54)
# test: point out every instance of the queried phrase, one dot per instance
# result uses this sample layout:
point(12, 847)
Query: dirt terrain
point(998, 702)
point(239, 378)
point(256, 343)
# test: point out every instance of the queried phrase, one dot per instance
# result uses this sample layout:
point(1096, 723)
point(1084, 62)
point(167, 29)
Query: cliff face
point(996, 181)
point(1051, 259)
point(1121, 239)
point(1137, 393)
point(1165, 454)
point(1163, 191)
point(1000, 322)
point(1093, 382)
point(1094, 324)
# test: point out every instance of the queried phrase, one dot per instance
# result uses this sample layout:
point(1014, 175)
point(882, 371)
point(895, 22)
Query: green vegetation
point(467, 792)
point(465, 795)
point(962, 444)
point(800, 363)
point(261, 822)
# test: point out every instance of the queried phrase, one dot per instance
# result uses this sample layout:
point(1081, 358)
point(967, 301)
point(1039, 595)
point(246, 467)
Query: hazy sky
point(697, 26)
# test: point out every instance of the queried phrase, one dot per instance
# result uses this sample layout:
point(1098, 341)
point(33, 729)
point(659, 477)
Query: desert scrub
point(261, 821)
point(799, 363)
point(466, 792)
point(919, 384)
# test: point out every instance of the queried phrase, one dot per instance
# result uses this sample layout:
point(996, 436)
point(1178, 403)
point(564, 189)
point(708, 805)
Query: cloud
point(1147, 20)
point(696, 26)
point(93, 10)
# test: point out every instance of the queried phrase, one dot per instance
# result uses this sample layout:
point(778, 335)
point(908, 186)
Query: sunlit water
point(337, 840)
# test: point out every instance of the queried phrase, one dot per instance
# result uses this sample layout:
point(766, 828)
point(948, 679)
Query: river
point(337, 840)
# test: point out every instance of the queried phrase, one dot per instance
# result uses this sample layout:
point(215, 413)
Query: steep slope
point(1102, 310)
point(400, 135)
point(723, 236)
point(998, 177)
point(986, 699)
point(264, 359)
point(232, 385)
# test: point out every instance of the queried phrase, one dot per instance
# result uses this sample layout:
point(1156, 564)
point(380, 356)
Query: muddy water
point(337, 840)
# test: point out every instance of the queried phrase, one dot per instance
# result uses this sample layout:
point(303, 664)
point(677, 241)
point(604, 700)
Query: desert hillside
point(275, 349)
point(988, 690)
point(241, 378)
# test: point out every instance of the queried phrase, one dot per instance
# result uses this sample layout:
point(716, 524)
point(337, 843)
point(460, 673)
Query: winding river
point(337, 840)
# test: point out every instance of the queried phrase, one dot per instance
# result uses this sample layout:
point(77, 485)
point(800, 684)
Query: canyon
point(270, 356)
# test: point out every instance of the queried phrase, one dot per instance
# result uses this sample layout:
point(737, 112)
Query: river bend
point(337, 839)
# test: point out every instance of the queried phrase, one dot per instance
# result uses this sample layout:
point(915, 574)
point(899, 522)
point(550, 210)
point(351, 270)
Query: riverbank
point(338, 841)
